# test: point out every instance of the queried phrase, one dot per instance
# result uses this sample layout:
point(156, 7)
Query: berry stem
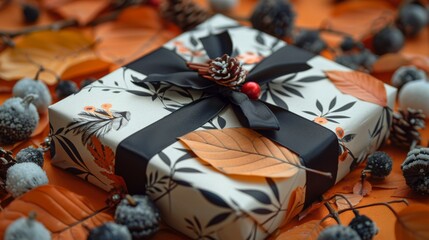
point(131, 200)
point(377, 204)
point(332, 213)
point(41, 69)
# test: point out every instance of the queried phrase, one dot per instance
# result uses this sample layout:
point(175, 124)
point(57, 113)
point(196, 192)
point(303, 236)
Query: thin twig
point(54, 27)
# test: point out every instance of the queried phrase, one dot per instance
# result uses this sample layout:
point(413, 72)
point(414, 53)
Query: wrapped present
point(184, 125)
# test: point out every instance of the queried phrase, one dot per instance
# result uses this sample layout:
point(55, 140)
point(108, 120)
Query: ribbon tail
point(253, 114)
point(272, 72)
point(217, 45)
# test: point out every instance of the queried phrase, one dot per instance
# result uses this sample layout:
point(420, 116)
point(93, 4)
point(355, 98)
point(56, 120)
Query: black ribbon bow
point(317, 146)
point(251, 113)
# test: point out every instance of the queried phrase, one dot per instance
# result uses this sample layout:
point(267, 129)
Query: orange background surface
point(310, 13)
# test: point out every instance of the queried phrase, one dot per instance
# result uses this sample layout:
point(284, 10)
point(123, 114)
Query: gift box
point(217, 163)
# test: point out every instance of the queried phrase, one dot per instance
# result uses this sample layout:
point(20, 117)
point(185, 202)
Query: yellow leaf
point(242, 151)
point(55, 51)
point(412, 223)
point(359, 85)
point(308, 231)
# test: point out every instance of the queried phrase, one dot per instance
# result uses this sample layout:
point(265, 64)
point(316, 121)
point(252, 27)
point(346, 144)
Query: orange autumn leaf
point(389, 62)
point(308, 231)
point(354, 200)
point(360, 18)
point(295, 205)
point(55, 50)
point(315, 206)
point(360, 85)
point(137, 31)
point(405, 191)
point(65, 214)
point(412, 223)
point(84, 11)
point(242, 151)
point(362, 188)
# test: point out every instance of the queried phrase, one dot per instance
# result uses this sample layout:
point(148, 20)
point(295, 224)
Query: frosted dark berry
point(415, 169)
point(406, 74)
point(110, 231)
point(380, 164)
point(388, 40)
point(364, 227)
point(139, 214)
point(275, 17)
point(30, 154)
point(30, 13)
point(347, 44)
point(18, 119)
point(66, 88)
point(412, 18)
point(338, 232)
point(310, 41)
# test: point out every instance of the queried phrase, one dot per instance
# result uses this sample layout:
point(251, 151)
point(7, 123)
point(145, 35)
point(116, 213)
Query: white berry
point(415, 95)
point(28, 86)
point(22, 177)
point(26, 229)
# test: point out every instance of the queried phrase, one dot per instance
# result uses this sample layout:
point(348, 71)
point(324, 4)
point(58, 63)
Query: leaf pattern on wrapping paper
point(97, 122)
point(360, 85)
point(73, 154)
point(63, 213)
point(104, 157)
point(330, 113)
point(287, 86)
point(247, 152)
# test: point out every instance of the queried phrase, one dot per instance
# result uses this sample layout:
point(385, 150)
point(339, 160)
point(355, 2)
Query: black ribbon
point(316, 145)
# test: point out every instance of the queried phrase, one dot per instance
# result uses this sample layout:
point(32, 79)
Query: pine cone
point(226, 71)
point(415, 169)
point(185, 13)
point(275, 17)
point(405, 127)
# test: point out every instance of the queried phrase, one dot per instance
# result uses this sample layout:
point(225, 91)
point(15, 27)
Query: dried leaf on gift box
point(55, 50)
point(83, 11)
point(131, 35)
point(360, 18)
point(243, 151)
point(412, 223)
point(312, 208)
point(354, 200)
point(104, 157)
point(63, 213)
point(360, 85)
point(362, 188)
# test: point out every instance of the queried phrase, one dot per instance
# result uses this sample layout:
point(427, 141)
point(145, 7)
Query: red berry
point(251, 89)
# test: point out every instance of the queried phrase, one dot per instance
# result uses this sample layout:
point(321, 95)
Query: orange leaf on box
point(242, 151)
point(54, 50)
point(295, 205)
point(360, 85)
point(63, 213)
point(412, 223)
